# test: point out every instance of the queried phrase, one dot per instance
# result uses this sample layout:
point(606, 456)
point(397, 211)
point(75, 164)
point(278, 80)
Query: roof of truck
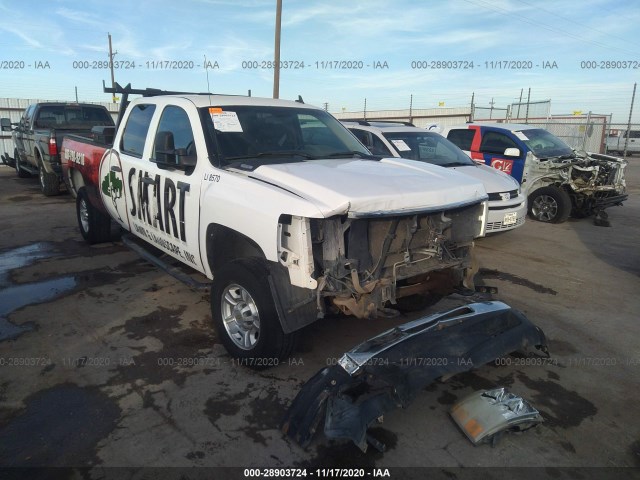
point(203, 100)
point(514, 127)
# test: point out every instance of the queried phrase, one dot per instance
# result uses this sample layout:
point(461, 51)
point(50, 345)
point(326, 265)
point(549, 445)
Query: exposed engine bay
point(593, 181)
point(363, 264)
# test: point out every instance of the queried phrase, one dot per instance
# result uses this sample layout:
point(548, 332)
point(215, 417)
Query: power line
point(573, 21)
point(550, 28)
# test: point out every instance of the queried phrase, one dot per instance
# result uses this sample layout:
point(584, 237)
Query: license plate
point(510, 218)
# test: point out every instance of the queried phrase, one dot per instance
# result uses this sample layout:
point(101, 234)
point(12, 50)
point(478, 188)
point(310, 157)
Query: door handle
point(115, 168)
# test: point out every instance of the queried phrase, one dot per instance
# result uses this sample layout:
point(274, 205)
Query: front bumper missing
point(389, 370)
point(482, 416)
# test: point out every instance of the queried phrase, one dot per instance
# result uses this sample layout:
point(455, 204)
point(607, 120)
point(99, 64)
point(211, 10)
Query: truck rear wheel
point(245, 317)
point(49, 182)
point(95, 226)
point(550, 204)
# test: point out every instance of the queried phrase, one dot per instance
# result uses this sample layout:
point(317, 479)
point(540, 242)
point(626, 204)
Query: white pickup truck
point(280, 206)
point(617, 141)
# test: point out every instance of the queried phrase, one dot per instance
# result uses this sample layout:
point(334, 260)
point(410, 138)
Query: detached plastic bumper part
point(389, 370)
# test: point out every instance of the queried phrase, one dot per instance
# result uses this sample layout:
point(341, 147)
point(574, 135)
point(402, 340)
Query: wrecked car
point(280, 206)
point(558, 180)
point(388, 371)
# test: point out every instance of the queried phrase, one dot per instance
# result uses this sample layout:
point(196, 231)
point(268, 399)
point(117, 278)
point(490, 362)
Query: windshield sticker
point(426, 151)
point(521, 136)
point(225, 121)
point(401, 146)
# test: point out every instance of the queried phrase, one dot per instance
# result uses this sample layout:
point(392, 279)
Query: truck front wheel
point(550, 204)
point(95, 226)
point(245, 317)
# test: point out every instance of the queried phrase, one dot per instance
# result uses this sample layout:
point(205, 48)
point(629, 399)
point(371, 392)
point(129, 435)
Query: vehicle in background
point(280, 206)
point(617, 140)
point(38, 135)
point(507, 205)
point(557, 180)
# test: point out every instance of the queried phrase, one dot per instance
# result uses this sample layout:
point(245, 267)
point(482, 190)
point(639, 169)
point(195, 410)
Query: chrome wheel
point(240, 316)
point(544, 208)
point(84, 215)
point(41, 175)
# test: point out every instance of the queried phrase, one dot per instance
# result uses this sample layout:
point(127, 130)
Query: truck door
point(492, 145)
point(634, 142)
point(24, 139)
point(163, 197)
point(112, 187)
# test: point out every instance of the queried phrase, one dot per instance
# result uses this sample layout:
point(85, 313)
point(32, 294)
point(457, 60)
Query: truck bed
point(81, 157)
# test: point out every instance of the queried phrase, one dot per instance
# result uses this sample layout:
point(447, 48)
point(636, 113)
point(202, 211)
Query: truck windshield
point(543, 144)
point(428, 147)
point(256, 135)
point(72, 117)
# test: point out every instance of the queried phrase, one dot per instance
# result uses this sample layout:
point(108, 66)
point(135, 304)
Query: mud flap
point(389, 370)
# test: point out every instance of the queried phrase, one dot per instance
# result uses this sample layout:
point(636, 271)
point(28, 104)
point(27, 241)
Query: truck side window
point(363, 136)
point(174, 136)
point(26, 119)
point(379, 148)
point(462, 138)
point(496, 142)
point(135, 132)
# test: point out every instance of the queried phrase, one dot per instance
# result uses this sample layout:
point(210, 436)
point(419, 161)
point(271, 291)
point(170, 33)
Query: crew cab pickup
point(557, 180)
point(617, 142)
point(280, 206)
point(39, 133)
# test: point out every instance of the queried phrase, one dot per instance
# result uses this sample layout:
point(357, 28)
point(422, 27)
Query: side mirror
point(512, 152)
point(5, 123)
point(166, 155)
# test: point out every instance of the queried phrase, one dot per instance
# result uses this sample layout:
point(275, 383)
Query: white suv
point(507, 204)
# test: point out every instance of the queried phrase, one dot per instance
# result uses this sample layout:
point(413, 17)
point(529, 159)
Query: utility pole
point(528, 101)
point(411, 108)
point(471, 115)
point(491, 103)
point(519, 103)
point(77, 95)
point(113, 79)
point(276, 66)
point(326, 106)
point(626, 141)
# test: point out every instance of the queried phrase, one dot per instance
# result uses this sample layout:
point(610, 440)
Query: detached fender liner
point(389, 370)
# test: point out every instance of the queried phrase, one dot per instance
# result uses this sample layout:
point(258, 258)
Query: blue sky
point(374, 32)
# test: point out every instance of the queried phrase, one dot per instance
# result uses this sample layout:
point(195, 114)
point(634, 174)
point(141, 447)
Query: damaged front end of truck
point(593, 181)
point(362, 265)
point(391, 369)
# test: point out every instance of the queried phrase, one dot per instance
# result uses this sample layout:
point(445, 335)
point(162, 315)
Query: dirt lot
point(105, 360)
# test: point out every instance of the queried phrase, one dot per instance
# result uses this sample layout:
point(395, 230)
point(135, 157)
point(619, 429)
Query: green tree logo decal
point(112, 187)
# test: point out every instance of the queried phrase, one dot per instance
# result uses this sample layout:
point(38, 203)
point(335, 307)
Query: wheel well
point(225, 245)
point(76, 178)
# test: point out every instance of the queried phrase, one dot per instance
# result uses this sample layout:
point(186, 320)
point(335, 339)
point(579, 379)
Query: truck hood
point(494, 180)
point(368, 188)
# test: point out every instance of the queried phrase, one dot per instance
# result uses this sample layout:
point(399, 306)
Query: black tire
point(19, 171)
point(95, 226)
point(550, 205)
point(49, 183)
point(417, 302)
point(241, 289)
